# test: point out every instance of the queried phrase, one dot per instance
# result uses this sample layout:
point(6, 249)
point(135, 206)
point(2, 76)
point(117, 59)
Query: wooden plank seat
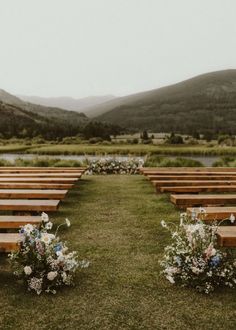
point(13, 185)
point(40, 175)
point(194, 183)
point(214, 212)
point(39, 180)
point(32, 194)
point(192, 177)
point(199, 189)
point(226, 236)
point(199, 174)
point(39, 168)
point(153, 170)
point(38, 205)
point(15, 221)
point(9, 242)
point(184, 200)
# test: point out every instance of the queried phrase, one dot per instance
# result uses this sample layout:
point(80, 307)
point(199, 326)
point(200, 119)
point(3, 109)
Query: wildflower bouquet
point(43, 262)
point(193, 259)
point(114, 166)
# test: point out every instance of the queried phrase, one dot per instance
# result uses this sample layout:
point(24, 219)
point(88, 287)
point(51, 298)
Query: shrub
point(161, 161)
point(174, 139)
point(95, 140)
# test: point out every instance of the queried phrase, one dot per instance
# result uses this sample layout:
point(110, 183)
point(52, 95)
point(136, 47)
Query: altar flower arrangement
point(43, 261)
point(193, 258)
point(114, 166)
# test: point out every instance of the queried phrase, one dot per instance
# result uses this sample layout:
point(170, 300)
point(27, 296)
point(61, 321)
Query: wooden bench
point(214, 212)
point(18, 169)
point(38, 205)
point(194, 183)
point(32, 194)
point(200, 200)
point(40, 175)
point(192, 177)
point(16, 185)
point(226, 236)
point(9, 242)
point(39, 180)
point(153, 170)
point(15, 221)
point(193, 189)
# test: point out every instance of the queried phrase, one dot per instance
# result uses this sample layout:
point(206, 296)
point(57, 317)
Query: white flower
point(35, 284)
point(64, 276)
point(47, 238)
point(67, 222)
point(202, 210)
point(44, 217)
point(163, 223)
point(60, 257)
point(51, 276)
point(170, 279)
point(193, 214)
point(28, 228)
point(196, 270)
point(27, 270)
point(48, 225)
point(232, 218)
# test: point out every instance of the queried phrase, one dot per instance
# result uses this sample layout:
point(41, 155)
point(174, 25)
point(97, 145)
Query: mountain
point(19, 118)
point(206, 103)
point(68, 103)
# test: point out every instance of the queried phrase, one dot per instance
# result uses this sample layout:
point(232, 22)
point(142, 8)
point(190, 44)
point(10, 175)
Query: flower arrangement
point(44, 262)
point(193, 259)
point(114, 166)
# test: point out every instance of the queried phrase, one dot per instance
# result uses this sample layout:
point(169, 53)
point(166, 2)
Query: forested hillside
point(206, 103)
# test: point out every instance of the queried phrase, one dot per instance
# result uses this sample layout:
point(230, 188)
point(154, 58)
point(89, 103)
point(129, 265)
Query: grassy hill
point(23, 119)
point(68, 103)
point(206, 103)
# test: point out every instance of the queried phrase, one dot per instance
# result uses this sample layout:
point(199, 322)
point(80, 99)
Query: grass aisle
point(116, 225)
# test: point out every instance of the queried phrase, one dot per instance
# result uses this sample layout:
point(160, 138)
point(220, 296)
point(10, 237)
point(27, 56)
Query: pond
point(205, 160)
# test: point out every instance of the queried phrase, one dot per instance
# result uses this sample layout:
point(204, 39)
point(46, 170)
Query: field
point(126, 149)
point(14, 148)
point(107, 148)
point(116, 225)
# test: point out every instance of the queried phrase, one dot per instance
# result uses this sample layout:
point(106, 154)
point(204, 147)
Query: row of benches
point(30, 190)
point(185, 184)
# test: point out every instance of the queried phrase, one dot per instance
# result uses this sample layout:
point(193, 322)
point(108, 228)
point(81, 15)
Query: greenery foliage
point(160, 161)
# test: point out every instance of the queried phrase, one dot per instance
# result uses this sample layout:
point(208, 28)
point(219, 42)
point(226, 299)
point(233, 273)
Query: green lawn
point(13, 148)
point(132, 149)
point(119, 149)
point(116, 225)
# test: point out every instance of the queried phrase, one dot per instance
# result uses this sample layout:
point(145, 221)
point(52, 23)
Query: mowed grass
point(132, 149)
point(14, 148)
point(116, 225)
point(119, 149)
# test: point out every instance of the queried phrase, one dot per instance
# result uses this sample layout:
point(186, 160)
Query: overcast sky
point(95, 47)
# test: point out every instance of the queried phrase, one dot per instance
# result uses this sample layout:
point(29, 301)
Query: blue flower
point(215, 261)
point(57, 247)
point(178, 260)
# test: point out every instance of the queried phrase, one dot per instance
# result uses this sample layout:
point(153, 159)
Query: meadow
point(129, 149)
point(42, 147)
point(116, 225)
